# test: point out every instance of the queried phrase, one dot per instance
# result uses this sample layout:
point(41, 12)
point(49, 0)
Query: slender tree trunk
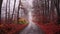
point(9, 13)
point(18, 11)
point(6, 12)
point(0, 9)
point(13, 10)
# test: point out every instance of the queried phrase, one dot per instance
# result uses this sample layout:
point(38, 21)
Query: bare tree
point(56, 3)
point(18, 11)
point(13, 10)
point(6, 12)
point(0, 8)
point(9, 13)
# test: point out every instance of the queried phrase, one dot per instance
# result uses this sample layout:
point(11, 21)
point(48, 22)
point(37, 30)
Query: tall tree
point(18, 11)
point(9, 13)
point(13, 9)
point(6, 12)
point(56, 3)
point(0, 8)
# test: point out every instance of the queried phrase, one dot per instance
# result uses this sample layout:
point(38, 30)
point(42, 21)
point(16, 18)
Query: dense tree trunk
point(0, 8)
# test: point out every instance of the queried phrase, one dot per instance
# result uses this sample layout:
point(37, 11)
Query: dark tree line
point(57, 3)
point(48, 9)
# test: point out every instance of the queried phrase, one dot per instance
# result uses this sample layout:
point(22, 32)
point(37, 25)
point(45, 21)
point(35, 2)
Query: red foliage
point(50, 28)
point(12, 28)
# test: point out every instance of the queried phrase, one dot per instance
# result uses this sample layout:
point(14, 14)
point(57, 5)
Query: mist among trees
point(45, 10)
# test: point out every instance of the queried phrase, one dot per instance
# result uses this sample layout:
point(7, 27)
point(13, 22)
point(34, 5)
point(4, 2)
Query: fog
point(27, 5)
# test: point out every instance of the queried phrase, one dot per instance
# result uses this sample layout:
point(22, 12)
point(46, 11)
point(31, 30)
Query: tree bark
point(0, 9)
point(6, 12)
point(57, 2)
point(18, 11)
point(9, 13)
point(13, 8)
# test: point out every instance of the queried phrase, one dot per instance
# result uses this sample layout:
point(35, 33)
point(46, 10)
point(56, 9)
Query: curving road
point(32, 28)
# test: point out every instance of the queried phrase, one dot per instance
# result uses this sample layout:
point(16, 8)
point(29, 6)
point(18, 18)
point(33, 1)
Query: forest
point(45, 13)
point(43, 8)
